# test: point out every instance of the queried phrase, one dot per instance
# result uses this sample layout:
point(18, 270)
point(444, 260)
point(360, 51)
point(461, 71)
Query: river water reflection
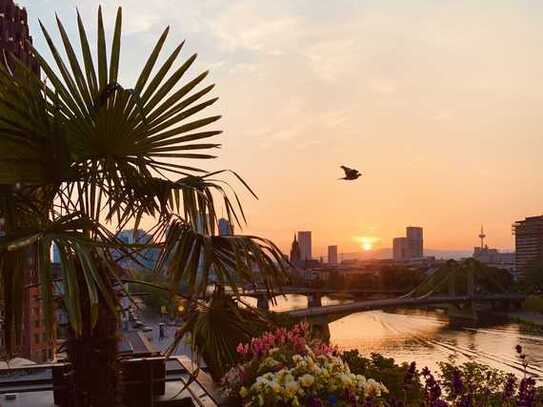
point(427, 338)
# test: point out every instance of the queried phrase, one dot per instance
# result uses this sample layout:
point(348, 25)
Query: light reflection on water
point(427, 338)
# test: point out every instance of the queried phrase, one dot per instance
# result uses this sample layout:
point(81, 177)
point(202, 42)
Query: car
point(138, 324)
point(147, 329)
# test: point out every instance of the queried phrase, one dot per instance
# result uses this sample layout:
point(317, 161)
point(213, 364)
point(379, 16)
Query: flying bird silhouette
point(350, 173)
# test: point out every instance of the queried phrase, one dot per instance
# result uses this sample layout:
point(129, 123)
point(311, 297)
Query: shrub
point(533, 303)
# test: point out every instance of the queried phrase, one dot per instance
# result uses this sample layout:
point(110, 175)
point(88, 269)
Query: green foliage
point(216, 328)
point(534, 303)
point(532, 279)
point(484, 384)
point(391, 374)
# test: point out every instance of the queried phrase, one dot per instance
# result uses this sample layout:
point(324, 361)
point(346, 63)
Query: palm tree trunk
point(93, 357)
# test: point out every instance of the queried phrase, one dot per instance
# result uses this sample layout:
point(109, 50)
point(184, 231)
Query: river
point(427, 338)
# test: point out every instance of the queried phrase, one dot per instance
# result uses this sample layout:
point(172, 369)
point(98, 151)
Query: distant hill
point(386, 253)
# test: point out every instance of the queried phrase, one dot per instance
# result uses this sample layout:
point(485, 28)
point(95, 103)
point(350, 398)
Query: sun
point(367, 242)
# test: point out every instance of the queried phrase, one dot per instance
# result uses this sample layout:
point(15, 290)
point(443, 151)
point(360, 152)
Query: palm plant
point(81, 157)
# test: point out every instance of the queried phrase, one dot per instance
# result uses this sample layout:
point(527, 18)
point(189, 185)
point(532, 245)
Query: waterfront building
point(304, 240)
point(528, 242)
point(332, 255)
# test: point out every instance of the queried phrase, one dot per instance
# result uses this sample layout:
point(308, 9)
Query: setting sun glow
point(367, 242)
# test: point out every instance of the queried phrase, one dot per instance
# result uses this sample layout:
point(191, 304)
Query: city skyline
point(437, 103)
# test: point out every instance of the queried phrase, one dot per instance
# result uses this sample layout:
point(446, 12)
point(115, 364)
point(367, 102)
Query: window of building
point(36, 323)
point(44, 337)
point(36, 338)
point(44, 355)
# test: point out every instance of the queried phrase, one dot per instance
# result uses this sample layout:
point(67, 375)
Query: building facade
point(304, 240)
point(415, 242)
point(399, 249)
point(37, 345)
point(332, 255)
point(409, 247)
point(16, 44)
point(225, 227)
point(15, 39)
point(528, 242)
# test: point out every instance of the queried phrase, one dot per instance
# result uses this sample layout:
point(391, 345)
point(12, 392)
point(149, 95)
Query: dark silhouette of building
point(528, 242)
point(295, 254)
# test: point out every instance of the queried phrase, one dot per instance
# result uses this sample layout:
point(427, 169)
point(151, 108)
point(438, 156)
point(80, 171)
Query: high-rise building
point(332, 255)
point(399, 249)
point(415, 243)
point(304, 240)
point(409, 247)
point(528, 242)
point(225, 227)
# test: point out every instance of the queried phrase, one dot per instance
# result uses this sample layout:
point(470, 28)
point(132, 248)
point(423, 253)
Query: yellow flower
point(243, 392)
point(307, 380)
point(292, 387)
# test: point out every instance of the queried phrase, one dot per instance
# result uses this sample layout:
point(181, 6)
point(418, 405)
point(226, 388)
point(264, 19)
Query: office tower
point(415, 244)
point(304, 240)
point(528, 242)
point(225, 227)
point(332, 255)
point(399, 249)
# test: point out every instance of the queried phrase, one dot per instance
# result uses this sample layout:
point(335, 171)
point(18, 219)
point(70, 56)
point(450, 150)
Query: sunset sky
point(439, 103)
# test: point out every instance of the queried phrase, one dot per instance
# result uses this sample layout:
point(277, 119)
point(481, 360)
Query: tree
point(81, 157)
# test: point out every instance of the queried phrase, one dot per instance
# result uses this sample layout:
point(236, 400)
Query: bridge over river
point(457, 286)
point(331, 313)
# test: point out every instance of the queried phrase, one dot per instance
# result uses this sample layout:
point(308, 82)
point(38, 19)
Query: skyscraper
point(415, 243)
point(332, 255)
point(399, 249)
point(225, 227)
point(409, 247)
point(304, 240)
point(528, 242)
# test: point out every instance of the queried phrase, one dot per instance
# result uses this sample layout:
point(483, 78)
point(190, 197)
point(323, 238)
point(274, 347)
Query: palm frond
point(197, 260)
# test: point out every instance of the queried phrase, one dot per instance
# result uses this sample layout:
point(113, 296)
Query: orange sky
point(439, 103)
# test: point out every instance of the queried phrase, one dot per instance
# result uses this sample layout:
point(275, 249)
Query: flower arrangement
point(287, 367)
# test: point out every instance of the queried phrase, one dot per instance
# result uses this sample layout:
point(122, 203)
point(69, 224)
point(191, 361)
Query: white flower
point(307, 380)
